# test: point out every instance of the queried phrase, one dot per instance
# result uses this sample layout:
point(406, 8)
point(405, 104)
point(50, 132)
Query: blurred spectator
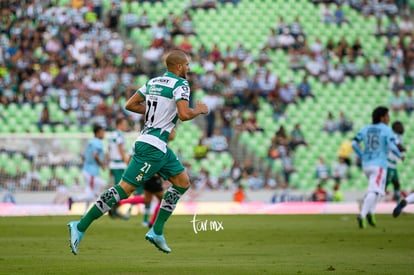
point(356, 49)
point(305, 88)
point(409, 102)
point(337, 195)
point(296, 28)
point(314, 67)
point(351, 68)
point(272, 42)
point(143, 21)
point(340, 16)
point(130, 20)
point(201, 149)
point(322, 171)
point(375, 68)
point(250, 122)
point(209, 4)
point(344, 124)
point(255, 181)
point(396, 81)
point(297, 137)
point(267, 82)
point(316, 47)
point(392, 29)
point(319, 194)
point(218, 142)
point(281, 25)
point(29, 178)
point(327, 15)
point(113, 16)
point(287, 167)
point(285, 39)
point(330, 124)
point(287, 95)
point(226, 115)
point(396, 101)
point(345, 152)
point(340, 170)
point(44, 118)
point(213, 102)
point(336, 74)
point(239, 194)
point(203, 181)
point(273, 152)
point(236, 172)
point(406, 26)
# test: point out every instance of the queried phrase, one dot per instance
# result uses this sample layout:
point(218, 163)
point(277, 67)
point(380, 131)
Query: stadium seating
point(223, 26)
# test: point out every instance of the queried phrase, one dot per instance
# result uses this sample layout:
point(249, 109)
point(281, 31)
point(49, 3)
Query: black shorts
point(153, 185)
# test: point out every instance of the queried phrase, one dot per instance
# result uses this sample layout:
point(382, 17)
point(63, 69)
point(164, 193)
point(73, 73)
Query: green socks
point(104, 203)
point(147, 212)
point(168, 204)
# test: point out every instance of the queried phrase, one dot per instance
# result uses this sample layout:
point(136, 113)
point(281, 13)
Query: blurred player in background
point(392, 173)
point(93, 160)
point(164, 100)
point(378, 139)
point(118, 158)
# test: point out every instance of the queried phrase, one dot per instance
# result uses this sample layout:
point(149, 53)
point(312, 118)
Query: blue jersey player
point(377, 139)
point(93, 160)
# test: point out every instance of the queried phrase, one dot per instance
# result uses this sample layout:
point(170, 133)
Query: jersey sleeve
point(142, 91)
point(182, 92)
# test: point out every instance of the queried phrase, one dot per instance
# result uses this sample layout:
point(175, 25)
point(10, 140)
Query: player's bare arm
point(136, 104)
point(98, 160)
point(124, 156)
point(187, 113)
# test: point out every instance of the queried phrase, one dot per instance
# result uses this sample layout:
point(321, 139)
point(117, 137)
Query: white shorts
point(93, 187)
point(376, 178)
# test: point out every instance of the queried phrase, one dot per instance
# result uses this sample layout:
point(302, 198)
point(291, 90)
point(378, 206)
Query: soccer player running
point(163, 100)
point(378, 139)
point(93, 159)
point(392, 173)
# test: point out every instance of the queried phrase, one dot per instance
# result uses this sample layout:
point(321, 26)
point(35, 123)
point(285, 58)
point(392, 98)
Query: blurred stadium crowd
point(66, 64)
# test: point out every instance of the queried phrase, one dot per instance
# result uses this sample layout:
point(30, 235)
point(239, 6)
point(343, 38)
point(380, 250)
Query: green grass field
point(248, 244)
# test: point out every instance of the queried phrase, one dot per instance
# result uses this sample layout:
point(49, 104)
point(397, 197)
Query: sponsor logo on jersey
point(154, 90)
point(163, 81)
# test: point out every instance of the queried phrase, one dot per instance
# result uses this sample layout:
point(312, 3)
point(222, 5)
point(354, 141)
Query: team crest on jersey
point(139, 177)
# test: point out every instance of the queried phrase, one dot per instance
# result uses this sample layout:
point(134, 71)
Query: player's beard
point(183, 75)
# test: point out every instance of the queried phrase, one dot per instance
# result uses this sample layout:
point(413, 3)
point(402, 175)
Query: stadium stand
point(110, 77)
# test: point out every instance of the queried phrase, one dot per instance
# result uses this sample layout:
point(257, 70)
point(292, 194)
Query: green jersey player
point(163, 100)
point(118, 158)
point(392, 173)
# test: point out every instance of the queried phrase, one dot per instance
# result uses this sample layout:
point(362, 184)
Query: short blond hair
point(175, 57)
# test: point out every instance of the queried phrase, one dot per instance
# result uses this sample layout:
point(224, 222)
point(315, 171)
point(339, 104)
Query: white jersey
point(115, 158)
point(392, 158)
point(161, 94)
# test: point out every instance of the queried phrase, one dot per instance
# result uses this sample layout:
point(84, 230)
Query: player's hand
point(201, 107)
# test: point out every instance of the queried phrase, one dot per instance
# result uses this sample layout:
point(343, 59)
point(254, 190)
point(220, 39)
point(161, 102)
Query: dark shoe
point(398, 209)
